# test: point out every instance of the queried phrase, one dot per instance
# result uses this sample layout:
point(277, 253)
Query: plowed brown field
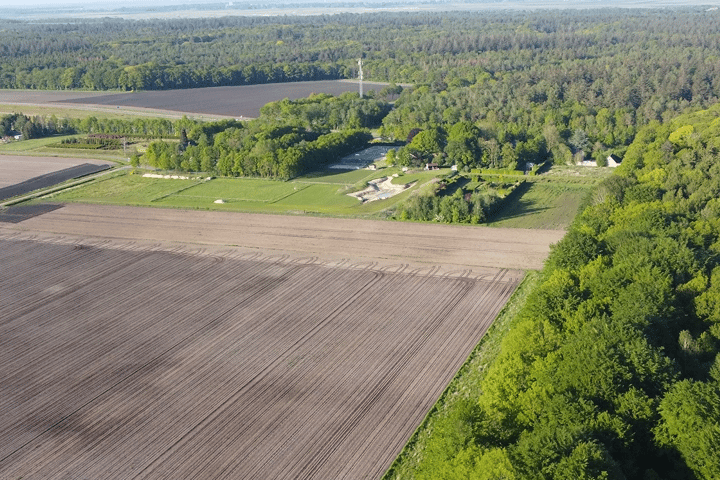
point(456, 246)
point(234, 101)
point(125, 353)
point(16, 168)
point(126, 362)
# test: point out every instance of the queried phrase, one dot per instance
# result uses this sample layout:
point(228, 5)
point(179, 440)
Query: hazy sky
point(138, 3)
point(77, 3)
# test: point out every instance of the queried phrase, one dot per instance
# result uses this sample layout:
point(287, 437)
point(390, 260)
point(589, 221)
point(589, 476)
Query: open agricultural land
point(610, 368)
point(550, 200)
point(66, 104)
point(17, 169)
point(242, 101)
point(545, 202)
point(455, 246)
point(137, 357)
point(316, 193)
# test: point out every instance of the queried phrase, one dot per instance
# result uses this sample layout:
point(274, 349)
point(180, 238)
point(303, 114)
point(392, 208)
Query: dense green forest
point(611, 370)
point(493, 89)
point(290, 138)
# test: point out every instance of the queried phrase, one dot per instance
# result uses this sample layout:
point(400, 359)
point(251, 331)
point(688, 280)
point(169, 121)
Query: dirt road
point(455, 247)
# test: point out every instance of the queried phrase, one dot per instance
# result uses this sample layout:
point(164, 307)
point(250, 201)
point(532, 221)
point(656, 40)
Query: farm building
point(613, 160)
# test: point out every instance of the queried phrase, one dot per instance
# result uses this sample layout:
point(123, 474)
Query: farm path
point(454, 247)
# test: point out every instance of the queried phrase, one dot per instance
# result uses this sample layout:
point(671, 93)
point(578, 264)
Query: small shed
point(613, 160)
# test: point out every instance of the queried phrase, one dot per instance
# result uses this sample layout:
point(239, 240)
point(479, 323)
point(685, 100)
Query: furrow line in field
point(269, 390)
point(157, 318)
point(367, 399)
point(134, 372)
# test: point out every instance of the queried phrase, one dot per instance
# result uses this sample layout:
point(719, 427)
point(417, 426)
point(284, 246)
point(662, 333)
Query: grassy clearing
point(551, 200)
point(241, 189)
point(124, 189)
point(466, 386)
point(342, 177)
point(542, 206)
point(324, 193)
point(319, 198)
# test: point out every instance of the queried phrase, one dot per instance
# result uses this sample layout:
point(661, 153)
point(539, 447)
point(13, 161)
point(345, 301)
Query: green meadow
point(549, 201)
point(323, 193)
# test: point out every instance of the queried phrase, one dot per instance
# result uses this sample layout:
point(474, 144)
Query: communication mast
point(360, 76)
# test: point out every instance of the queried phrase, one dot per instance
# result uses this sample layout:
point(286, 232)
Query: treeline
point(568, 85)
point(612, 368)
point(466, 145)
point(259, 150)
point(33, 127)
point(450, 201)
point(39, 126)
point(323, 112)
point(92, 142)
point(651, 60)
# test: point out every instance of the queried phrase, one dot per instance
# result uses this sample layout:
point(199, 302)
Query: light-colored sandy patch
point(174, 177)
point(380, 189)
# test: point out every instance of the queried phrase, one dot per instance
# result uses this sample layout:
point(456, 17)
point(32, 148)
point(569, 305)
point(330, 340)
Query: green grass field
point(342, 177)
point(123, 189)
point(543, 206)
point(319, 198)
point(549, 201)
point(241, 190)
point(311, 194)
point(322, 193)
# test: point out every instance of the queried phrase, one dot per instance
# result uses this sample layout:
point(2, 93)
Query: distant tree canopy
point(38, 126)
point(523, 86)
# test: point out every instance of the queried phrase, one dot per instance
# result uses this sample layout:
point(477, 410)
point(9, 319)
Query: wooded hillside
point(611, 370)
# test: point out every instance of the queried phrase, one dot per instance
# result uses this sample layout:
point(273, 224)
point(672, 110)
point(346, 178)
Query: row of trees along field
point(289, 138)
point(612, 368)
point(39, 126)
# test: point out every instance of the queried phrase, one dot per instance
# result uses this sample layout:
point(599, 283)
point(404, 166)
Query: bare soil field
point(242, 101)
point(164, 344)
point(50, 179)
point(460, 247)
point(20, 168)
point(44, 96)
point(132, 359)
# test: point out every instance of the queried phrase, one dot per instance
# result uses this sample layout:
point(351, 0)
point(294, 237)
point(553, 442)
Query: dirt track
point(457, 247)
